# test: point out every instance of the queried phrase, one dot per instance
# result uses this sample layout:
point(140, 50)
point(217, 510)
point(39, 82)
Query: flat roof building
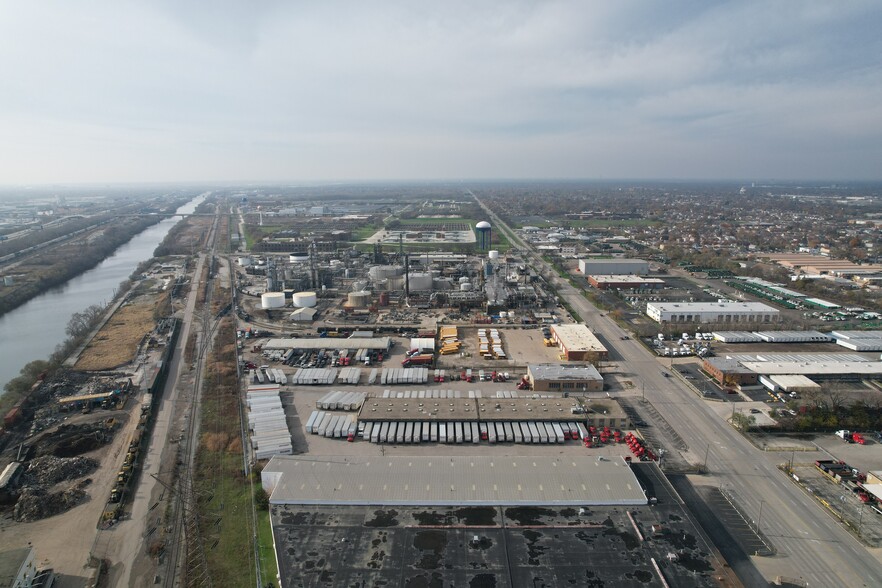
point(560, 378)
point(578, 343)
point(712, 312)
point(614, 265)
point(479, 480)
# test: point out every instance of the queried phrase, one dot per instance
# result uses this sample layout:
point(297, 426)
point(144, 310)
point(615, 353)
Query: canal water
point(33, 330)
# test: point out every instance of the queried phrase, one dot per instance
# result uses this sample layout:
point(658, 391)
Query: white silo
point(493, 254)
point(304, 299)
point(271, 300)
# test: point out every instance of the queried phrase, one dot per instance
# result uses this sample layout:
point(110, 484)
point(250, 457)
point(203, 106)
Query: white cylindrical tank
point(465, 287)
point(493, 254)
point(304, 299)
point(359, 299)
point(464, 280)
point(245, 261)
point(420, 281)
point(380, 272)
point(298, 257)
point(272, 300)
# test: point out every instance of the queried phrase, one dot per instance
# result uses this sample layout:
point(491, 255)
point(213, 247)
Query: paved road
point(810, 544)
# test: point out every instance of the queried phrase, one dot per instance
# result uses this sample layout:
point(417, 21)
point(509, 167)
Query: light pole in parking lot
point(759, 519)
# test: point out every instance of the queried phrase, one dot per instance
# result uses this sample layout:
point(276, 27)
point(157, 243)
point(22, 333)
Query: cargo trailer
point(433, 433)
point(323, 427)
point(442, 432)
point(408, 432)
point(426, 432)
point(384, 433)
point(509, 432)
point(516, 431)
point(534, 432)
point(368, 429)
point(459, 432)
point(312, 418)
point(375, 432)
point(500, 433)
point(417, 432)
point(558, 432)
point(399, 432)
point(329, 431)
point(476, 435)
point(491, 433)
point(342, 424)
point(583, 433)
point(467, 432)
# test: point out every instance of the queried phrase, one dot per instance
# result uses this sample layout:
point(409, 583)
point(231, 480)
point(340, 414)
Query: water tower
point(484, 235)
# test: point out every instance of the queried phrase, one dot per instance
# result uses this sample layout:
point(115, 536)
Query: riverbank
point(37, 327)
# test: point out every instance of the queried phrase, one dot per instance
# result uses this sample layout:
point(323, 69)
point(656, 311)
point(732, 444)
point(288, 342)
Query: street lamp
point(759, 520)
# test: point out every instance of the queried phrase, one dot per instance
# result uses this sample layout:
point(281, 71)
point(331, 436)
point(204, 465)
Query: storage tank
point(245, 261)
point(465, 287)
point(298, 257)
point(493, 254)
point(464, 280)
point(420, 281)
point(381, 272)
point(304, 299)
point(272, 300)
point(359, 299)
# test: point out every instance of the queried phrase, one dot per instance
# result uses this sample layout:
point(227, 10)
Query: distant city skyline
point(167, 92)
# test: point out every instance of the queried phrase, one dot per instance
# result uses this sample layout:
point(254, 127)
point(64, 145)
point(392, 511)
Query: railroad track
point(186, 560)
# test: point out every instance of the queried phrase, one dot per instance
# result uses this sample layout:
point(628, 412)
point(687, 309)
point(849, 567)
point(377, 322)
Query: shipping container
point(558, 432)
point(516, 431)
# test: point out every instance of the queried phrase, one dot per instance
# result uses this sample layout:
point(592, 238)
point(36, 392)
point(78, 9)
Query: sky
point(166, 91)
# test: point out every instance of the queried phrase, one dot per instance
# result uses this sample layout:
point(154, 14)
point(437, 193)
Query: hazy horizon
point(276, 93)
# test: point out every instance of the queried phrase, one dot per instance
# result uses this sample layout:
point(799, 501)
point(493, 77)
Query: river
point(33, 330)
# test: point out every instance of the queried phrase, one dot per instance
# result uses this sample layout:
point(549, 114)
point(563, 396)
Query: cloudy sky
point(120, 91)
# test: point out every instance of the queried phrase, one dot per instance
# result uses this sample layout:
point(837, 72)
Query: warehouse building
point(577, 480)
point(578, 343)
point(729, 372)
point(610, 266)
point(737, 368)
point(560, 378)
point(621, 281)
point(712, 312)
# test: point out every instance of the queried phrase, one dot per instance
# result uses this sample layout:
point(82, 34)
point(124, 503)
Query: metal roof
point(713, 307)
point(328, 343)
point(418, 409)
point(562, 372)
point(797, 357)
point(864, 368)
point(460, 480)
